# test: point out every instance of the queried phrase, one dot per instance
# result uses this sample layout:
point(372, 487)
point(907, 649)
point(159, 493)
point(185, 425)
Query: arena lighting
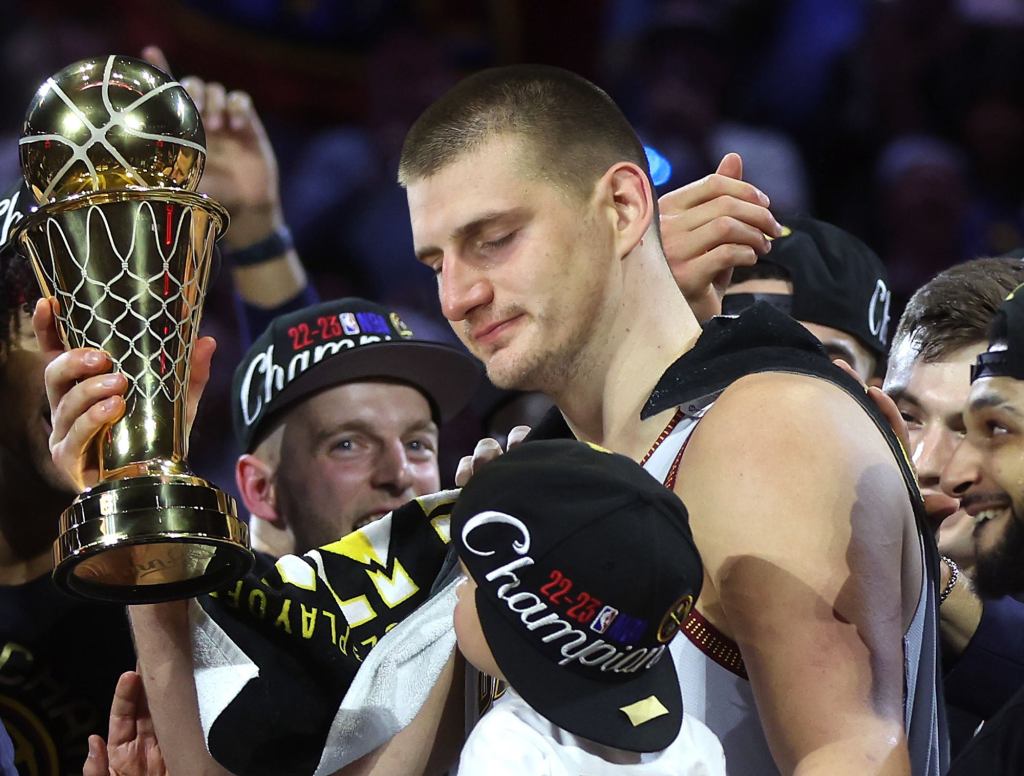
point(661, 168)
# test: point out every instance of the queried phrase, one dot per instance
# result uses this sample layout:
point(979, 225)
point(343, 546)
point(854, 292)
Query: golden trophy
point(112, 150)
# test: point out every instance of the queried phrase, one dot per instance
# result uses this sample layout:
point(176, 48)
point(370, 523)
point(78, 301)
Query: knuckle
point(724, 227)
point(714, 183)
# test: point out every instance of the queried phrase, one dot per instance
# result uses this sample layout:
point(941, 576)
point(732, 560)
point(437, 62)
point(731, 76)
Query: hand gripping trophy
point(113, 149)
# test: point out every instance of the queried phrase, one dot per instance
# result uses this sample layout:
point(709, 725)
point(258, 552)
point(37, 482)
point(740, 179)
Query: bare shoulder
point(791, 413)
point(791, 465)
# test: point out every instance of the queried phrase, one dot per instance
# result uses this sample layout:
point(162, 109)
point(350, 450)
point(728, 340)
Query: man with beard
point(943, 329)
point(531, 200)
point(986, 473)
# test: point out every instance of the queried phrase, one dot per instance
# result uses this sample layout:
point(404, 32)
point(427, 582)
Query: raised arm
point(804, 525)
point(241, 173)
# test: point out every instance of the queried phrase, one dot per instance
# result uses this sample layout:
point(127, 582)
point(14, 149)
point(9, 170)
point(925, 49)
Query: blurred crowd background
point(899, 120)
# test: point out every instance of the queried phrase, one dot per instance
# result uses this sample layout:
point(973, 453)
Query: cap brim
point(445, 374)
point(586, 708)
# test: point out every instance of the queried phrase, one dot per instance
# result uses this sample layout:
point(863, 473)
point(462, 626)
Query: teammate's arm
point(800, 513)
point(241, 174)
point(428, 746)
point(711, 226)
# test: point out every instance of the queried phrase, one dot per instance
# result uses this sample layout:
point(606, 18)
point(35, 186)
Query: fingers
point(720, 221)
point(213, 110)
point(84, 399)
point(694, 276)
point(846, 367)
point(210, 98)
point(892, 414)
point(222, 109)
point(884, 403)
point(486, 450)
point(517, 435)
point(77, 380)
point(44, 323)
point(124, 709)
point(96, 762)
point(731, 166)
point(199, 375)
point(155, 56)
point(242, 116)
point(196, 88)
point(709, 188)
point(464, 471)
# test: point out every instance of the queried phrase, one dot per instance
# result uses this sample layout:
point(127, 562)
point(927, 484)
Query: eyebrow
point(836, 350)
point(987, 400)
point(472, 229)
point(901, 393)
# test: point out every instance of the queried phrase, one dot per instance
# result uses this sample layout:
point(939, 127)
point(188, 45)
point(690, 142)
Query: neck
point(652, 327)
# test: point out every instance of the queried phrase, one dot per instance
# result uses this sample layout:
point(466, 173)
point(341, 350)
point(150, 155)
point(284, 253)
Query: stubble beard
point(546, 368)
point(999, 571)
point(309, 528)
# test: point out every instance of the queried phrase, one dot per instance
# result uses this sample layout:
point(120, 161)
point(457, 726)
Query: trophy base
point(143, 540)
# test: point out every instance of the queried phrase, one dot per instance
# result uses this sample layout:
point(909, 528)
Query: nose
point(392, 472)
point(462, 289)
point(963, 471)
point(932, 450)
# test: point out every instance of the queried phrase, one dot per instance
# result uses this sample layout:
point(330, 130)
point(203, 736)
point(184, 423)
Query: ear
point(255, 480)
point(631, 199)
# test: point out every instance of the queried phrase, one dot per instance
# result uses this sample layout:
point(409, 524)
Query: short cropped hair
point(954, 309)
point(573, 128)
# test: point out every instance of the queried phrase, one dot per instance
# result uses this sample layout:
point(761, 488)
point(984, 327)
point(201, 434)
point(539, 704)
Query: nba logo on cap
point(604, 618)
point(348, 323)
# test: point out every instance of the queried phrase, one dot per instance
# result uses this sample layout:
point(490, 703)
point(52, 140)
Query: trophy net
point(130, 277)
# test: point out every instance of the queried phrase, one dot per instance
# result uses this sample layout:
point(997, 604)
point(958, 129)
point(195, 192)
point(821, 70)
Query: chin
point(508, 374)
point(999, 570)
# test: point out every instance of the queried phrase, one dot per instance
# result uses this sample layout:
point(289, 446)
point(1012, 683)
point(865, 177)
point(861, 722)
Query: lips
point(984, 503)
point(984, 507)
point(487, 333)
point(372, 516)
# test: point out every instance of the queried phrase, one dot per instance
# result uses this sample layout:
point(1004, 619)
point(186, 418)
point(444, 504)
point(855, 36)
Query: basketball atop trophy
point(111, 123)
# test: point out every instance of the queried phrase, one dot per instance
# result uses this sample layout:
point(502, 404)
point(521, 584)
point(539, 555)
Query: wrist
point(252, 224)
point(272, 245)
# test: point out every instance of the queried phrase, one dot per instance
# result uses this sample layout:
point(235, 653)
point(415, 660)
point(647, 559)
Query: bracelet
point(954, 575)
point(270, 247)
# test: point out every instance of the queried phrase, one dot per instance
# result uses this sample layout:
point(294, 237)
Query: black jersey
point(60, 658)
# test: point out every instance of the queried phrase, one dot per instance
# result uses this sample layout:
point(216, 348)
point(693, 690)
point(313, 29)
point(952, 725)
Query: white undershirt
point(514, 740)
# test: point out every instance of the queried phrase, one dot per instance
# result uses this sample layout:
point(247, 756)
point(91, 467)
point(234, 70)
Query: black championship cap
point(838, 281)
point(1005, 356)
point(585, 570)
point(341, 341)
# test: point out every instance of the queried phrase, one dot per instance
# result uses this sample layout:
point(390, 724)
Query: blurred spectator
point(681, 73)
point(921, 200)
